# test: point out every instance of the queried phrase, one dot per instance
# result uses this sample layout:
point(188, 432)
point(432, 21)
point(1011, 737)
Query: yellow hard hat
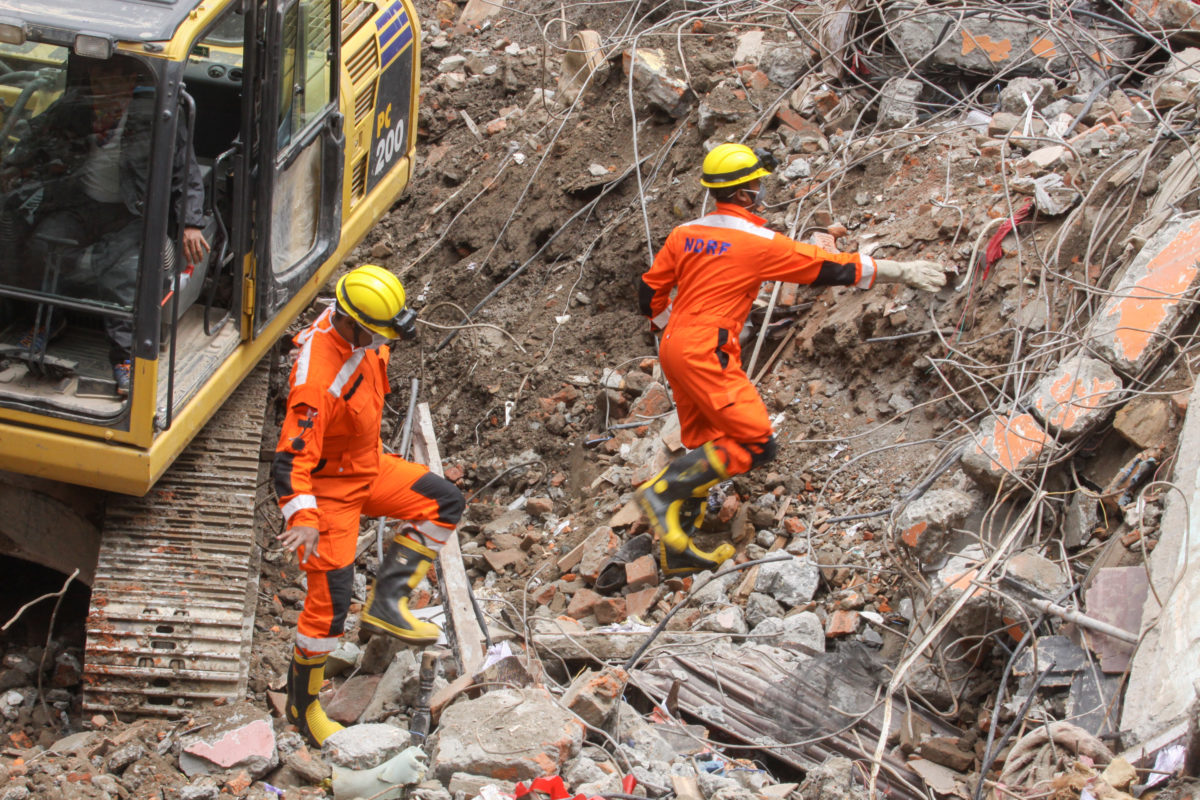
point(374, 298)
point(733, 164)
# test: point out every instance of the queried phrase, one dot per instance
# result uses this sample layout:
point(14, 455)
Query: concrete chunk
point(1005, 445)
point(593, 695)
point(246, 740)
point(1077, 396)
point(898, 102)
point(1146, 306)
point(365, 746)
point(508, 734)
point(993, 43)
point(792, 583)
point(925, 524)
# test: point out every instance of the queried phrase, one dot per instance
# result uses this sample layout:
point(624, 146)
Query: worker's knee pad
point(447, 496)
point(761, 452)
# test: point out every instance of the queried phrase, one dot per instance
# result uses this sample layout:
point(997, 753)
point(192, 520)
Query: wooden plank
point(468, 638)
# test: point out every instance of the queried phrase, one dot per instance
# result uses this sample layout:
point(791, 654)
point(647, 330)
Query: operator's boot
point(663, 499)
point(405, 563)
point(303, 710)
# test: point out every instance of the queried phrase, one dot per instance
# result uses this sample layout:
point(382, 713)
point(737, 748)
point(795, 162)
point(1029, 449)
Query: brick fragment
point(582, 604)
point(841, 623)
point(610, 610)
point(641, 572)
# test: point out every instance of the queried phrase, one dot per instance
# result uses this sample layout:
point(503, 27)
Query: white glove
point(928, 276)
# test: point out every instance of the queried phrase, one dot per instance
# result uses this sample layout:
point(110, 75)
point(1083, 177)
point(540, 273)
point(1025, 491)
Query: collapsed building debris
point(981, 584)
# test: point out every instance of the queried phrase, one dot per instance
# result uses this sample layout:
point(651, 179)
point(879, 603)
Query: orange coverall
point(718, 263)
point(330, 468)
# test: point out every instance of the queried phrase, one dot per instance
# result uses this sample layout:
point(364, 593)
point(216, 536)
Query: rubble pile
point(940, 582)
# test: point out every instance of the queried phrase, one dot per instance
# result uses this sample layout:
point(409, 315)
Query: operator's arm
point(654, 286)
point(187, 179)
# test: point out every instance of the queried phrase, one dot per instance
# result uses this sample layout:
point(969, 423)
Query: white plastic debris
point(404, 769)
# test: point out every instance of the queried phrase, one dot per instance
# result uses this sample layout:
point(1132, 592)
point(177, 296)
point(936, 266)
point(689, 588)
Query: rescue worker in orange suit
point(716, 265)
point(330, 468)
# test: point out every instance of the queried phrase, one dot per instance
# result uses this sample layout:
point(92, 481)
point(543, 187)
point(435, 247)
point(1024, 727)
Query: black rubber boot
point(303, 709)
point(663, 499)
point(405, 563)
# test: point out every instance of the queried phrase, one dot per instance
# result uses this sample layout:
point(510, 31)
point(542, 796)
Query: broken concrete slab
point(1137, 320)
point(924, 525)
point(244, 740)
point(1077, 396)
point(792, 582)
point(1165, 18)
point(898, 102)
point(1003, 446)
point(993, 43)
point(538, 736)
point(396, 688)
point(654, 86)
point(1022, 93)
point(365, 746)
point(593, 695)
point(785, 63)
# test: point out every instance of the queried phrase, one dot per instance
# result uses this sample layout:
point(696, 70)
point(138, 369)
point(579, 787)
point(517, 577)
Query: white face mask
point(378, 340)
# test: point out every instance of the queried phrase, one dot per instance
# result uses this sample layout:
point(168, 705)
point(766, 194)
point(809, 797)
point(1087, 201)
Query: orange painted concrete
point(1073, 399)
point(1011, 443)
point(1143, 310)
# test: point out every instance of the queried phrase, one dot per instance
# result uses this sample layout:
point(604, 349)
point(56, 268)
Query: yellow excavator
point(178, 179)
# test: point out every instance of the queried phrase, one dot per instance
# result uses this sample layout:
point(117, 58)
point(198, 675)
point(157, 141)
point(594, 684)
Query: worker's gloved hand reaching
point(928, 276)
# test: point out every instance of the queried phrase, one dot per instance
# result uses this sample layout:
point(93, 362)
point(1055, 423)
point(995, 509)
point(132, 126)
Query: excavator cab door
point(302, 141)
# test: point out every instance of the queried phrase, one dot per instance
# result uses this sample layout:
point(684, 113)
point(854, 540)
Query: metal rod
point(762, 334)
point(1082, 620)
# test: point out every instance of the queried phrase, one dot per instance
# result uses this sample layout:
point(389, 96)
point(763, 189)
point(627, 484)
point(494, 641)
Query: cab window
point(305, 76)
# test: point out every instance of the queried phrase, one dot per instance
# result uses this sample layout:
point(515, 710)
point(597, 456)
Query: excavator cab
point(278, 130)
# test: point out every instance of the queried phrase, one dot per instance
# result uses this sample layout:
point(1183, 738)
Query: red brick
point(598, 548)
point(641, 572)
point(756, 80)
point(638, 603)
point(496, 126)
point(654, 401)
point(793, 526)
point(349, 700)
point(539, 506)
point(453, 473)
point(500, 559)
point(841, 623)
point(239, 783)
point(788, 117)
point(610, 610)
point(582, 604)
point(544, 594)
point(729, 508)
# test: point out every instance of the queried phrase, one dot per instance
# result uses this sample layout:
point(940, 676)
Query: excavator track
point(172, 612)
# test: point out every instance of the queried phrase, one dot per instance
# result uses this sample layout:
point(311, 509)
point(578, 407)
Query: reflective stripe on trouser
point(713, 396)
point(401, 491)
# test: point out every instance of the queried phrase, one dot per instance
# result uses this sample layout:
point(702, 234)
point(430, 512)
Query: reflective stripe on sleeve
point(296, 503)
